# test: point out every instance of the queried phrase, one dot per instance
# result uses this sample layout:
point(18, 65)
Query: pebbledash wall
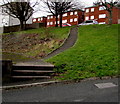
point(72, 17)
point(101, 15)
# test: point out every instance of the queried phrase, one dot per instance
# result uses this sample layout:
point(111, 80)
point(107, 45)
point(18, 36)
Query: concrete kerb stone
point(27, 85)
point(55, 82)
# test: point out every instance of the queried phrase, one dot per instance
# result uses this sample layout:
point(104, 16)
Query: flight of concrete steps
point(32, 70)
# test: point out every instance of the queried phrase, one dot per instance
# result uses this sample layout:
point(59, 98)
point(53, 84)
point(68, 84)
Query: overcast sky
point(85, 2)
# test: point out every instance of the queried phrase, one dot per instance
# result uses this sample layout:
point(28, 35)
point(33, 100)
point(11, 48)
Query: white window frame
point(75, 19)
point(58, 16)
point(75, 13)
point(51, 23)
point(39, 19)
point(48, 23)
point(102, 15)
point(71, 20)
point(87, 18)
point(92, 17)
point(87, 10)
point(64, 21)
point(92, 9)
point(101, 8)
point(34, 20)
point(48, 17)
point(71, 13)
point(64, 15)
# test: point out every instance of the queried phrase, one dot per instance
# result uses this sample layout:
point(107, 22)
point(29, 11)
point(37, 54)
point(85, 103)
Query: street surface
point(87, 91)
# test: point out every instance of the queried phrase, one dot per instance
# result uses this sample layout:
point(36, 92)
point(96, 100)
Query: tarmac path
point(85, 91)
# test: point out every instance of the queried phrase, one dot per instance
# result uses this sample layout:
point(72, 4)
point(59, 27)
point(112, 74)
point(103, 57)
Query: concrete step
point(29, 77)
point(34, 71)
point(15, 67)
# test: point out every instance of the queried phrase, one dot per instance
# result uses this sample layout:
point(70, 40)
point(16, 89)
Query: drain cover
point(105, 85)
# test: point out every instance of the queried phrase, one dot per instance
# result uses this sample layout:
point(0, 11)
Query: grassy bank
point(34, 43)
point(94, 55)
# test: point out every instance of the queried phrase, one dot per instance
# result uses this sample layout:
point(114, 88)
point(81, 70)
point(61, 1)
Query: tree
point(108, 6)
point(20, 10)
point(59, 7)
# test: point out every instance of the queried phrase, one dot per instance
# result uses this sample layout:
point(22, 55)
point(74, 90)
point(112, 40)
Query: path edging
point(60, 45)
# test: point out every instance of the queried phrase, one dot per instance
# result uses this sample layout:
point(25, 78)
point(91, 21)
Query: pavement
point(86, 91)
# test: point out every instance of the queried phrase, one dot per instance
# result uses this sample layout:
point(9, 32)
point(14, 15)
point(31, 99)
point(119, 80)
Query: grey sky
point(86, 3)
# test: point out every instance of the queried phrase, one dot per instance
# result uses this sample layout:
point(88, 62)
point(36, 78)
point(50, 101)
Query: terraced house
point(101, 15)
point(72, 17)
point(40, 20)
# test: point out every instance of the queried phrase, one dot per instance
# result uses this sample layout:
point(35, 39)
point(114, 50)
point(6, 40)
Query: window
point(38, 19)
point(51, 23)
point(86, 18)
point(48, 17)
point(92, 17)
point(102, 8)
point(75, 19)
point(41, 19)
point(64, 14)
point(58, 16)
point(51, 16)
point(76, 13)
point(58, 22)
point(87, 10)
point(34, 20)
point(102, 15)
point(48, 23)
point(92, 9)
point(71, 13)
point(64, 21)
point(71, 20)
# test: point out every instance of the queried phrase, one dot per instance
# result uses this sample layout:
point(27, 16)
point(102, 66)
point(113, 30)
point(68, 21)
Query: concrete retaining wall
point(6, 69)
point(1, 30)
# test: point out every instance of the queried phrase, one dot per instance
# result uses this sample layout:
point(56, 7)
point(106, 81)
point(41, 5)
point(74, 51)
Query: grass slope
point(34, 43)
point(94, 55)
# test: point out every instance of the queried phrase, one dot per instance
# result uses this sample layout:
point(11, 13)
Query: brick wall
point(17, 27)
point(40, 20)
point(98, 12)
point(72, 17)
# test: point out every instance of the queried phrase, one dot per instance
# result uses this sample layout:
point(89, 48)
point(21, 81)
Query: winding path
point(70, 41)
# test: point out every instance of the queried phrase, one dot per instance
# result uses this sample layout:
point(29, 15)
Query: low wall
point(17, 27)
point(1, 30)
point(6, 69)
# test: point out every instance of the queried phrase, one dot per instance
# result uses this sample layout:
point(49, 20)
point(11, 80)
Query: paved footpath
point(86, 91)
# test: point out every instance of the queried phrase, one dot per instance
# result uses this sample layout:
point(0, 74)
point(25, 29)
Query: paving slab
point(105, 85)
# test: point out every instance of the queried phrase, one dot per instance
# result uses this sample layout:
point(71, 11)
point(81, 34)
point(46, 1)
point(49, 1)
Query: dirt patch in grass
point(34, 44)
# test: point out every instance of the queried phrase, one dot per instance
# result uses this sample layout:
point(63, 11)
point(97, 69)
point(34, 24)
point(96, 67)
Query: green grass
point(34, 43)
point(95, 54)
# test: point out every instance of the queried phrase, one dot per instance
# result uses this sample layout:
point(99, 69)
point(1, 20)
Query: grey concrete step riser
point(31, 74)
point(32, 68)
point(31, 77)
